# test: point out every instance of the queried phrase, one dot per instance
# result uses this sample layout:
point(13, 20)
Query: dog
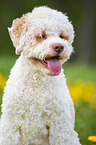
point(37, 108)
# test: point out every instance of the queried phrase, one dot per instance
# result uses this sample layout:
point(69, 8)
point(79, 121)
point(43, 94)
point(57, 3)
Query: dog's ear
point(16, 33)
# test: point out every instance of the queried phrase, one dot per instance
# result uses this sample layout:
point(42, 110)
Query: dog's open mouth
point(52, 64)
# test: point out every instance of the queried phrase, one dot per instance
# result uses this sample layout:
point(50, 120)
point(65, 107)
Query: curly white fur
point(37, 108)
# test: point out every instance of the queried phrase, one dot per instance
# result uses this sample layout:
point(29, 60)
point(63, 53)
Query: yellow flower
point(93, 101)
point(92, 138)
point(89, 91)
point(2, 81)
point(75, 93)
point(83, 91)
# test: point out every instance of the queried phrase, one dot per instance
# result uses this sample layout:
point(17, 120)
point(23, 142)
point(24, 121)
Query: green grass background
point(85, 116)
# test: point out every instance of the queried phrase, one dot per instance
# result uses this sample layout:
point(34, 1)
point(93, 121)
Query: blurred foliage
point(82, 13)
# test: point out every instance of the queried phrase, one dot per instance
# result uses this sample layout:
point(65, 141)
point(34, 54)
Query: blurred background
point(80, 70)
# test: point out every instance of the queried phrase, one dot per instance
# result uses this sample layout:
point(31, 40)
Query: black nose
point(58, 47)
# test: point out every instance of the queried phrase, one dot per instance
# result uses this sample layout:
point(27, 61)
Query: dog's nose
point(58, 47)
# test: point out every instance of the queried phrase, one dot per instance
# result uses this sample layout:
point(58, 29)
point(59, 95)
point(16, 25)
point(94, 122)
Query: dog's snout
point(58, 47)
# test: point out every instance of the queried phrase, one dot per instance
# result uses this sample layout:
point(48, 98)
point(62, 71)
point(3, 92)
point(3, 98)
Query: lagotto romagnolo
point(37, 108)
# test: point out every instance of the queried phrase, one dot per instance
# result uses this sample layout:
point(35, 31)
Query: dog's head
point(45, 37)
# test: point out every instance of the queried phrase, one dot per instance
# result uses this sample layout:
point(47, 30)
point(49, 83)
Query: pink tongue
point(54, 66)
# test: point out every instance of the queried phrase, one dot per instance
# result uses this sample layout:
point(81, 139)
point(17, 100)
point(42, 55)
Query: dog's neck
point(29, 74)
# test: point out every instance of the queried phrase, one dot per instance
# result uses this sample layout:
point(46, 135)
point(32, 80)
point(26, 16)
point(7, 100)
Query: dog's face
point(45, 37)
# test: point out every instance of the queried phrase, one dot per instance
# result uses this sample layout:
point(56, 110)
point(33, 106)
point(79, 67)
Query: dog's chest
point(44, 95)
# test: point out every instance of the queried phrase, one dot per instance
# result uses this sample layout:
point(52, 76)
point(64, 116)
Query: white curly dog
point(37, 108)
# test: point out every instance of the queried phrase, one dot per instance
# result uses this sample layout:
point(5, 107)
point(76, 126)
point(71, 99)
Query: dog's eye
point(61, 36)
point(66, 37)
point(41, 37)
